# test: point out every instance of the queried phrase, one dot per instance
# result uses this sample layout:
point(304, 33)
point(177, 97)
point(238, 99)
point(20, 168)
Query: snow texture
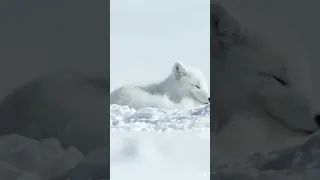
point(301, 161)
point(155, 144)
point(23, 158)
point(146, 144)
point(152, 144)
point(159, 144)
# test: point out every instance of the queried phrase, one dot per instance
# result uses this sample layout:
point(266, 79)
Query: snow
point(299, 161)
point(145, 144)
point(24, 158)
point(157, 144)
point(151, 143)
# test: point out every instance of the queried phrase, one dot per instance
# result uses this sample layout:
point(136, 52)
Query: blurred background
point(38, 38)
point(147, 37)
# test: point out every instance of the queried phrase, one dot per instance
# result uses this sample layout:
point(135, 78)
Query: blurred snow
point(24, 158)
point(301, 161)
point(146, 143)
point(151, 143)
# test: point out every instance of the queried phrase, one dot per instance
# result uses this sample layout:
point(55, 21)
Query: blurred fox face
point(252, 74)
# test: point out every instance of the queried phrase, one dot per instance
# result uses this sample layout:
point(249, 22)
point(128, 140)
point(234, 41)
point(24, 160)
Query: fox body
point(71, 106)
point(183, 88)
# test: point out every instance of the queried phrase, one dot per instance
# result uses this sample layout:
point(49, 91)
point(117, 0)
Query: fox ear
point(225, 32)
point(178, 70)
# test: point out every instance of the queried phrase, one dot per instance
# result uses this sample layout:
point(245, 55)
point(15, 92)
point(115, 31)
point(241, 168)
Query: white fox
point(183, 88)
point(70, 106)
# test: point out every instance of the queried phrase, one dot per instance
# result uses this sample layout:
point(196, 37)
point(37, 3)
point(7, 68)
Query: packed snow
point(147, 143)
point(24, 158)
point(295, 162)
point(157, 144)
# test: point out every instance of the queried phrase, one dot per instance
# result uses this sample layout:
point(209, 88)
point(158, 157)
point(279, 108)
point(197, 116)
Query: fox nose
point(317, 119)
point(209, 99)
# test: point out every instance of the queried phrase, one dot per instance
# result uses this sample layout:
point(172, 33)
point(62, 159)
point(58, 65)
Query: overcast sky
point(148, 36)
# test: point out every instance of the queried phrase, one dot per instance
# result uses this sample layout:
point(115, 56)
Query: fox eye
point(281, 81)
point(197, 86)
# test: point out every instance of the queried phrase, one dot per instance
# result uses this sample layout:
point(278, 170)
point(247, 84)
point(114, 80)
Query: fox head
point(190, 83)
point(260, 75)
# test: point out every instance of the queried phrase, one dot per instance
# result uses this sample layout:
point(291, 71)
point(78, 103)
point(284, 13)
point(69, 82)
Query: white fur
point(256, 112)
point(68, 105)
point(177, 91)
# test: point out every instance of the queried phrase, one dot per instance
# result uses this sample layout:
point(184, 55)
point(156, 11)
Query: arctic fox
point(71, 106)
point(263, 99)
point(183, 88)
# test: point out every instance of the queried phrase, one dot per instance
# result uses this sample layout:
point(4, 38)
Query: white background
point(148, 36)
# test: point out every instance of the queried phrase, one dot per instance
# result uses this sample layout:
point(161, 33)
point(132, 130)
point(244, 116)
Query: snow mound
point(151, 143)
point(94, 166)
point(122, 118)
point(300, 161)
point(24, 158)
point(147, 143)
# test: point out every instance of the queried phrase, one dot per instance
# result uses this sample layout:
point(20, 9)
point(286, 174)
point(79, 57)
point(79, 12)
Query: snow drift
point(157, 144)
point(152, 143)
point(148, 143)
point(294, 162)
